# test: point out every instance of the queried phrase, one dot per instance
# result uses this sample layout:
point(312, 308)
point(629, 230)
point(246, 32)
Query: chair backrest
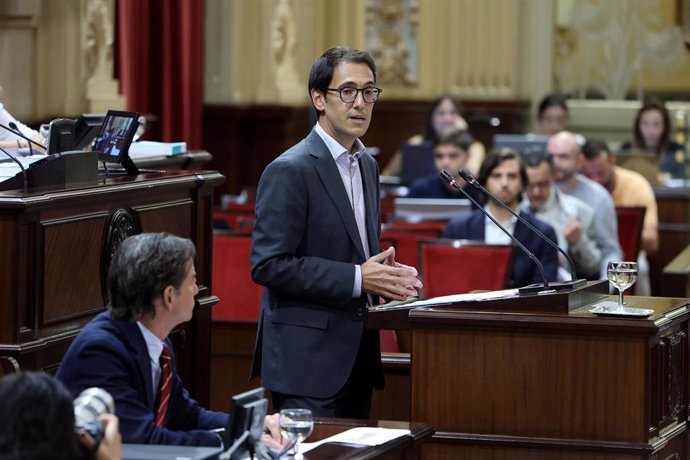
point(630, 223)
point(406, 235)
point(240, 297)
point(460, 266)
point(8, 365)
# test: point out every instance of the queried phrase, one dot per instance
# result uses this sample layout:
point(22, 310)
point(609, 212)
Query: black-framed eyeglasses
point(349, 94)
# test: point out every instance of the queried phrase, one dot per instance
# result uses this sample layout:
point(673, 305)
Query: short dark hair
point(323, 68)
point(495, 158)
point(594, 147)
point(455, 136)
point(552, 100)
point(143, 266)
point(534, 158)
point(430, 133)
point(38, 418)
point(653, 104)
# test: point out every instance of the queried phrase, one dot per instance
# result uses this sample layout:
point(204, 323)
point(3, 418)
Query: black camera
point(91, 404)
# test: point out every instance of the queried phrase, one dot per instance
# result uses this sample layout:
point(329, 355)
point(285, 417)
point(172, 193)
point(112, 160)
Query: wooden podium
point(56, 245)
point(509, 381)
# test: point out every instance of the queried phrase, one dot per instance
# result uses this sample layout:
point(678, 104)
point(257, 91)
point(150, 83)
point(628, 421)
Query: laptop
point(425, 209)
point(417, 161)
point(521, 143)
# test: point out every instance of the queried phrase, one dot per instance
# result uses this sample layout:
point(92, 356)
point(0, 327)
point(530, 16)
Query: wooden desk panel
point(407, 447)
point(552, 385)
point(55, 252)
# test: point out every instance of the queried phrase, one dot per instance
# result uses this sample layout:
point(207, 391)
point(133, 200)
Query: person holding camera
point(38, 423)
point(126, 351)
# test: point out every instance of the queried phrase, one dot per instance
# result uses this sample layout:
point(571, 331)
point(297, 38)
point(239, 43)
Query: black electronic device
point(86, 129)
point(521, 143)
point(114, 138)
point(62, 169)
point(60, 135)
point(417, 161)
point(246, 422)
point(238, 421)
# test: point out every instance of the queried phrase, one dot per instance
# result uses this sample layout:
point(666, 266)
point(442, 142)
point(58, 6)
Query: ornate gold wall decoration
point(283, 40)
point(605, 48)
point(98, 45)
point(392, 39)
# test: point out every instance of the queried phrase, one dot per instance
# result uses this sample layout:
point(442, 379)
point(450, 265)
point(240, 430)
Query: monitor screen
point(426, 209)
point(417, 161)
point(245, 409)
point(86, 129)
point(521, 143)
point(115, 135)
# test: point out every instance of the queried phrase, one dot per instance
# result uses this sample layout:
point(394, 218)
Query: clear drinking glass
point(296, 425)
point(621, 275)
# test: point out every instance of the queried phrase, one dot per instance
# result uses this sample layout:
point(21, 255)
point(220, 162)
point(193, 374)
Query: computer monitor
point(521, 143)
point(86, 129)
point(417, 161)
point(247, 412)
point(425, 209)
point(114, 138)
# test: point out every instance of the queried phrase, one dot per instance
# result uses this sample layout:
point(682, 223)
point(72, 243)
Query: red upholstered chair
point(630, 222)
point(460, 266)
point(407, 235)
point(240, 297)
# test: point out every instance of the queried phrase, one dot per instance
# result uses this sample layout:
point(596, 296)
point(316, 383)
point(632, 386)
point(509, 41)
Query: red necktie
point(164, 387)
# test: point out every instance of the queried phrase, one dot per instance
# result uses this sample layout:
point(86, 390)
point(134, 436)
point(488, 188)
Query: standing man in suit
point(503, 174)
point(315, 249)
point(125, 350)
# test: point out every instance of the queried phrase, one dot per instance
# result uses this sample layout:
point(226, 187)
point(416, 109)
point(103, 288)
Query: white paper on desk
point(476, 297)
point(363, 436)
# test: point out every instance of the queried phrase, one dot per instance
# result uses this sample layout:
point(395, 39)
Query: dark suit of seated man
point(125, 350)
point(503, 174)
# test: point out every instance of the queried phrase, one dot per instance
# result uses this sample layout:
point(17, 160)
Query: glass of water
point(621, 275)
point(296, 425)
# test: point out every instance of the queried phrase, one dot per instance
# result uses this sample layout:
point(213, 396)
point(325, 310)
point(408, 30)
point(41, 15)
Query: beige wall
point(479, 49)
point(57, 57)
point(259, 51)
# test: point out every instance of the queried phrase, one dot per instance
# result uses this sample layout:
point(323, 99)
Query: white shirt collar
point(335, 148)
point(153, 343)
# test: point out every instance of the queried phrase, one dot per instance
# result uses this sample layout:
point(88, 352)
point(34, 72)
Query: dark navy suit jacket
point(112, 354)
point(432, 187)
point(525, 271)
point(305, 246)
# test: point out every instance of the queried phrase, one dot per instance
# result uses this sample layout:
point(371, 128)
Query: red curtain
point(160, 49)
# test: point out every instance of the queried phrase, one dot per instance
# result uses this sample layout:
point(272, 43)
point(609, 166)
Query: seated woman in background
point(445, 113)
point(552, 114)
point(652, 134)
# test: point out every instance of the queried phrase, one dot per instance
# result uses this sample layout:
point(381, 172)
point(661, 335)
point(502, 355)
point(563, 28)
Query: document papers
point(448, 299)
point(363, 436)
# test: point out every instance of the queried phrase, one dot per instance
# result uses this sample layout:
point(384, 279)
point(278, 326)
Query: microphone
point(574, 282)
point(21, 166)
point(449, 179)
